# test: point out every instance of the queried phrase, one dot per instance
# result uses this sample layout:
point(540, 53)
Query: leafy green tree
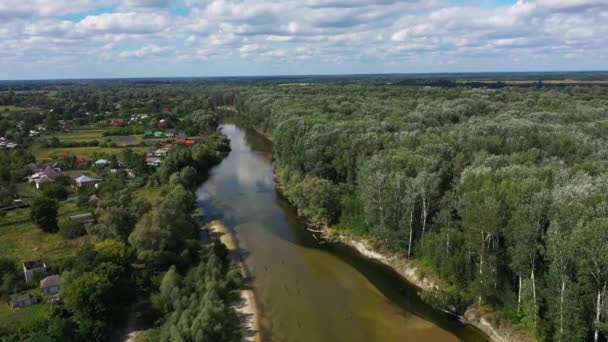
point(54, 190)
point(44, 213)
point(11, 279)
point(315, 199)
point(87, 298)
point(160, 237)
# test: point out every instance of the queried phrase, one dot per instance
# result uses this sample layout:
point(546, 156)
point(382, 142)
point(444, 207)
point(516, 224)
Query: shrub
point(71, 230)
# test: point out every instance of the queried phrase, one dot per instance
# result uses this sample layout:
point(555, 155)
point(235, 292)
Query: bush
point(71, 230)
point(54, 190)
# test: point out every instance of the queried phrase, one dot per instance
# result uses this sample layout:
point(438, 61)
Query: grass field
point(90, 134)
point(33, 313)
point(22, 240)
point(17, 109)
point(89, 151)
point(78, 135)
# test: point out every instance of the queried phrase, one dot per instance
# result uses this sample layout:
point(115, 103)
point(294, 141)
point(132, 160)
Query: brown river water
point(308, 291)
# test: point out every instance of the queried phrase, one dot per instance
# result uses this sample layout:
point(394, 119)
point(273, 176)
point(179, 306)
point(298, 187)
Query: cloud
point(147, 51)
point(407, 34)
point(131, 22)
point(12, 9)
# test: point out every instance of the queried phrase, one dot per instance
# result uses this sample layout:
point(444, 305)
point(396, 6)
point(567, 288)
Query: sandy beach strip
point(247, 309)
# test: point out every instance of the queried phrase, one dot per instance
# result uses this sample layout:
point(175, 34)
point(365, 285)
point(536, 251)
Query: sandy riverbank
point(247, 309)
point(414, 273)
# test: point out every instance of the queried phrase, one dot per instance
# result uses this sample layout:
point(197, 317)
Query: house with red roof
point(187, 142)
point(81, 160)
point(116, 122)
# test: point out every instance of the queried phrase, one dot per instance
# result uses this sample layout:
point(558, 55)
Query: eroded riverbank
point(413, 272)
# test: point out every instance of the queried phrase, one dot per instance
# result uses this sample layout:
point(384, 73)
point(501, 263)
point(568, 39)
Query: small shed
point(51, 285)
point(83, 218)
point(23, 300)
point(93, 199)
point(32, 268)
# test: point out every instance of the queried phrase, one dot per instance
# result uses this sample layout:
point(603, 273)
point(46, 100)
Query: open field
point(32, 313)
point(90, 151)
point(17, 109)
point(78, 135)
point(21, 239)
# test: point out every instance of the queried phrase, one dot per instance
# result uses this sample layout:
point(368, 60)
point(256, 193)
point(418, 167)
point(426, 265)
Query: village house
point(6, 144)
point(33, 268)
point(23, 300)
point(161, 152)
point(187, 142)
point(47, 175)
point(51, 285)
point(153, 161)
point(81, 161)
point(102, 162)
point(85, 181)
point(116, 122)
point(170, 133)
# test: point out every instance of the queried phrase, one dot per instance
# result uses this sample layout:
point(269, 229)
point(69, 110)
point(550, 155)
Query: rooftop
point(49, 281)
point(83, 218)
point(34, 264)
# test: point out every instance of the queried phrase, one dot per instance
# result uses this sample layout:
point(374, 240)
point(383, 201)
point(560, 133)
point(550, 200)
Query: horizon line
point(304, 75)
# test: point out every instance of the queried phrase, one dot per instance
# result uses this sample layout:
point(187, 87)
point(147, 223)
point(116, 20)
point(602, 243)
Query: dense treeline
point(503, 192)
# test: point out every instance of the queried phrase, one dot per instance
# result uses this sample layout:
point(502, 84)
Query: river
point(307, 291)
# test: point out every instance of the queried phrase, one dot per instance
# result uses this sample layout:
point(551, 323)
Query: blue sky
point(157, 38)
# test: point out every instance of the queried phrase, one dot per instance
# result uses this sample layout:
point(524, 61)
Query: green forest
point(501, 192)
